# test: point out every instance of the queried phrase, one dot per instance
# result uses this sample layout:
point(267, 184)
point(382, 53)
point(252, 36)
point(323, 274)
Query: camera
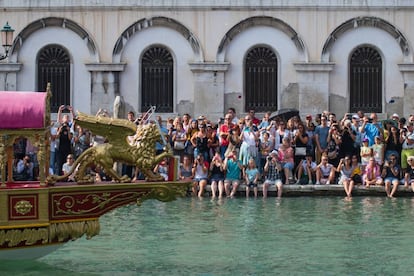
point(349, 116)
point(370, 120)
point(269, 158)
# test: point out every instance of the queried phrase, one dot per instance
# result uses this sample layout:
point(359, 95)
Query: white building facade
point(203, 56)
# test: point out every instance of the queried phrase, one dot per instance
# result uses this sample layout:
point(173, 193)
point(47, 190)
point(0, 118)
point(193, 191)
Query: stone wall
point(209, 39)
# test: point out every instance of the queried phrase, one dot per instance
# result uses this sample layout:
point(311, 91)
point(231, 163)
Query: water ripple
point(299, 236)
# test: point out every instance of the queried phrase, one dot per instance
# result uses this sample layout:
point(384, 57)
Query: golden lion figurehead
point(141, 151)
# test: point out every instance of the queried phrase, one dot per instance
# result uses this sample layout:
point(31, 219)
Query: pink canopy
point(20, 109)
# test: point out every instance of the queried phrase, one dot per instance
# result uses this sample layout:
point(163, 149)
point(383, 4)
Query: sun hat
point(274, 152)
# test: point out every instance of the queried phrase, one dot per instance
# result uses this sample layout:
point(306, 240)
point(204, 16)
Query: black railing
point(157, 81)
point(366, 81)
point(54, 67)
point(261, 80)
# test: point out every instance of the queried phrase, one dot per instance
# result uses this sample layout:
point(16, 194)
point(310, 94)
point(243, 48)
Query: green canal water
point(290, 236)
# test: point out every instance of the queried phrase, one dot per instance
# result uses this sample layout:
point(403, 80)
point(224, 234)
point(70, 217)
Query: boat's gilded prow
point(34, 217)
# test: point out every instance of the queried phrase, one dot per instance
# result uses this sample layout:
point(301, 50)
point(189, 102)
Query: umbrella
point(285, 113)
point(389, 121)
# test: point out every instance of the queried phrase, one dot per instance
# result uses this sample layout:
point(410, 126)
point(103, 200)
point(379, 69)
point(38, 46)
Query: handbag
point(300, 151)
point(332, 154)
point(332, 149)
point(357, 178)
point(178, 145)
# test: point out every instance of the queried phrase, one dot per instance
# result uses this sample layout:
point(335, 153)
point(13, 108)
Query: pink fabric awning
point(21, 109)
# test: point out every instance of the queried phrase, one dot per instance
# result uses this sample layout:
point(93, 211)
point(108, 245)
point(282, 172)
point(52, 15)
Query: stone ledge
point(322, 190)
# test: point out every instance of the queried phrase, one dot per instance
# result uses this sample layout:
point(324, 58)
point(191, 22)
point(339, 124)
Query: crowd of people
point(319, 149)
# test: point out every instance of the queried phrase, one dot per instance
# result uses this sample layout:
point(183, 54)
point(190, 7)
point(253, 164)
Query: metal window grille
point(157, 80)
point(261, 80)
point(53, 65)
point(365, 80)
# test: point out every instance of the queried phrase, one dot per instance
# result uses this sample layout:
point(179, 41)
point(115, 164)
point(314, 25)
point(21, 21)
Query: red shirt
point(256, 121)
point(225, 134)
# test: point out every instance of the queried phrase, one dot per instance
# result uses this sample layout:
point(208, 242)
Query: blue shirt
point(323, 136)
point(251, 174)
point(233, 170)
point(371, 131)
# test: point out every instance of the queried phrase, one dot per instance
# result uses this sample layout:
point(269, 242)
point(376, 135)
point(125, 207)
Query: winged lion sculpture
point(139, 152)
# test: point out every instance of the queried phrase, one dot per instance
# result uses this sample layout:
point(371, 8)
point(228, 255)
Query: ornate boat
point(36, 217)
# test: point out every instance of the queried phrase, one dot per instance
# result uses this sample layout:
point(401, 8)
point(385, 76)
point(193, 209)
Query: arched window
point(365, 80)
point(53, 65)
point(157, 80)
point(260, 74)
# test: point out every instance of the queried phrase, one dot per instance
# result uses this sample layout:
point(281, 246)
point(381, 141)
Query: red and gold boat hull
point(34, 217)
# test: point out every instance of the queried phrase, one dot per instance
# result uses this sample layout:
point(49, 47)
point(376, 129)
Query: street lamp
point(6, 39)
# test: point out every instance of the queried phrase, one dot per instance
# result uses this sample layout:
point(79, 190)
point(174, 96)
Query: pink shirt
point(287, 154)
point(369, 172)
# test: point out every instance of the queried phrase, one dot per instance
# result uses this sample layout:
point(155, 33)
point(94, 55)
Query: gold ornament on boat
point(27, 236)
point(23, 207)
point(55, 232)
point(73, 230)
point(139, 152)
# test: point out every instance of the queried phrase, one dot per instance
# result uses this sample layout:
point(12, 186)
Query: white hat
point(395, 115)
point(355, 116)
point(274, 152)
